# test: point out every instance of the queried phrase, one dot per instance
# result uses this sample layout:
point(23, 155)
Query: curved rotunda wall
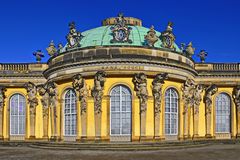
point(126, 60)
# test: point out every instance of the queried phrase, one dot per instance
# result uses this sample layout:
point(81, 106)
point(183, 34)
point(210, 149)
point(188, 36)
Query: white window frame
point(23, 100)
point(170, 113)
point(71, 101)
point(228, 101)
point(120, 111)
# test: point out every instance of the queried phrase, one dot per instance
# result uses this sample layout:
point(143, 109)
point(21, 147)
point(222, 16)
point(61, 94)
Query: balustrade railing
point(23, 67)
point(226, 67)
point(218, 67)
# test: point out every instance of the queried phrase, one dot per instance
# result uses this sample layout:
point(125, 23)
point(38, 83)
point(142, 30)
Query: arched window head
point(70, 113)
point(171, 112)
point(223, 113)
point(17, 114)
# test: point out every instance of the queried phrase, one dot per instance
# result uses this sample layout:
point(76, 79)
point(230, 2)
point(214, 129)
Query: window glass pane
point(171, 112)
point(223, 110)
point(17, 114)
point(121, 106)
point(70, 113)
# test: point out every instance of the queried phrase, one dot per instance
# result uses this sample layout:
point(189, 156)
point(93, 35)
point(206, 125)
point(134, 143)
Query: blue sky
point(28, 25)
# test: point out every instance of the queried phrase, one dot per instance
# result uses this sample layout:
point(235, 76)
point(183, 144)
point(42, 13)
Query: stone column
point(185, 122)
point(45, 122)
point(53, 114)
point(1, 122)
point(236, 98)
point(51, 89)
point(209, 92)
point(208, 124)
point(84, 125)
point(42, 90)
point(197, 100)
point(188, 89)
point(32, 122)
point(97, 94)
point(238, 122)
point(32, 104)
point(157, 94)
point(195, 123)
point(78, 120)
point(2, 105)
point(143, 116)
point(140, 86)
point(157, 126)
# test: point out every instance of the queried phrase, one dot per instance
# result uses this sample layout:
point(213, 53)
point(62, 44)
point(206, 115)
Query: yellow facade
point(137, 67)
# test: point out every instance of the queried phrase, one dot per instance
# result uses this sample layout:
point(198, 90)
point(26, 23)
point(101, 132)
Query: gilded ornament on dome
point(151, 37)
point(120, 31)
point(74, 37)
point(167, 37)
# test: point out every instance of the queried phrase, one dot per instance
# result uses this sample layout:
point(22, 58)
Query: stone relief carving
point(209, 92)
point(74, 37)
point(197, 97)
point(48, 92)
point(52, 92)
point(31, 96)
point(151, 37)
point(188, 92)
point(42, 90)
point(167, 37)
point(121, 31)
point(97, 90)
point(140, 86)
point(236, 97)
point(192, 95)
point(80, 86)
point(2, 97)
point(157, 91)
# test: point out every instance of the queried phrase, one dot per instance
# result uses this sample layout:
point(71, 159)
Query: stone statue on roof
point(74, 37)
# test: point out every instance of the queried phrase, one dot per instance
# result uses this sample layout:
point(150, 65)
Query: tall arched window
point(17, 114)
point(70, 113)
point(223, 113)
point(121, 109)
point(171, 112)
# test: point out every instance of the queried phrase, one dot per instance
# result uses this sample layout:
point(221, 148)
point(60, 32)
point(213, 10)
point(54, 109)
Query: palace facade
point(120, 82)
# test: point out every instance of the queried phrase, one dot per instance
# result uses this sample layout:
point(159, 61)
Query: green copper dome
point(101, 36)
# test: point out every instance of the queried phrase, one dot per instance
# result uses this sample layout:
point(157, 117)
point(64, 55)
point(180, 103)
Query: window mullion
point(120, 110)
point(70, 113)
point(18, 116)
point(170, 106)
